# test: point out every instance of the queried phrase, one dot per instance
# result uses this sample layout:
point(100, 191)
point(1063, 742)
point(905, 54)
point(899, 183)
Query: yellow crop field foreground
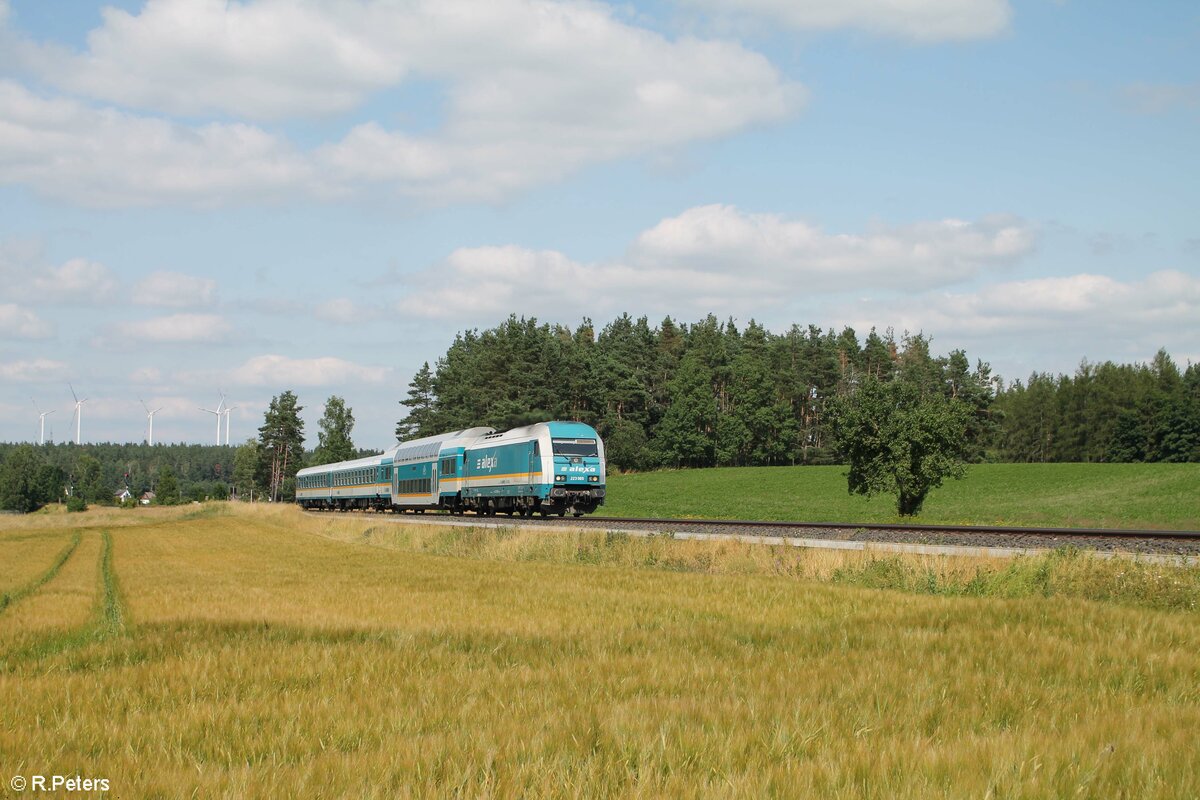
point(231, 651)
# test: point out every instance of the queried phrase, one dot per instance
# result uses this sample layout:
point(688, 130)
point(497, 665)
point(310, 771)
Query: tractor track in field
point(847, 535)
point(8, 598)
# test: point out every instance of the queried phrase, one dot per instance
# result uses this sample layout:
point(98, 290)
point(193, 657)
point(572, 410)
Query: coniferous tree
point(687, 433)
point(90, 483)
point(815, 381)
point(878, 356)
point(248, 477)
point(578, 368)
point(917, 367)
point(26, 482)
point(282, 440)
point(761, 427)
point(976, 390)
point(166, 490)
point(767, 395)
point(333, 440)
point(455, 386)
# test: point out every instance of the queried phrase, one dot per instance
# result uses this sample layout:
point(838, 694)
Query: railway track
point(1174, 543)
point(1005, 540)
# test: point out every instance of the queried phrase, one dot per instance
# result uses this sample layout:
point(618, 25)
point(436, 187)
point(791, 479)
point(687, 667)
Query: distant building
point(147, 498)
point(123, 495)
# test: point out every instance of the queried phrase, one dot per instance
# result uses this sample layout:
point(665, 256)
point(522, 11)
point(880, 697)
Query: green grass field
point(233, 651)
point(1068, 495)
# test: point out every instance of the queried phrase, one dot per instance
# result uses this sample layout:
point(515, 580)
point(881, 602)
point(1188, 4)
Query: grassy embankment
point(251, 652)
point(1069, 495)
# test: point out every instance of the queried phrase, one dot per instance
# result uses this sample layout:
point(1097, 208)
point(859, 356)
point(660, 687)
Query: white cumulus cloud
point(174, 290)
point(1053, 320)
point(175, 329)
point(21, 323)
point(344, 311)
point(284, 371)
point(33, 371)
point(715, 257)
point(725, 239)
point(533, 90)
point(260, 60)
point(25, 274)
point(77, 280)
point(52, 144)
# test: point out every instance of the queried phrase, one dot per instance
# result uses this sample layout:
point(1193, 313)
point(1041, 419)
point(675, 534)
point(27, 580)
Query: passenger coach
point(546, 468)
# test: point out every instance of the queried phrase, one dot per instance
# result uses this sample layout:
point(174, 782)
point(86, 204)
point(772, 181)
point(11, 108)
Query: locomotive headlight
point(594, 478)
point(559, 478)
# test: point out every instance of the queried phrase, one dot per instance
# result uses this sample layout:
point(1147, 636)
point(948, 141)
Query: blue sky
point(200, 196)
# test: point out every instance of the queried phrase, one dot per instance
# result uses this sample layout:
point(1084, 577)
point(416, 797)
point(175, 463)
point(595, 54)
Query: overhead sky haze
point(199, 196)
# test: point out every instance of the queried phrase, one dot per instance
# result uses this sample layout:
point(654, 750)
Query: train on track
point(546, 468)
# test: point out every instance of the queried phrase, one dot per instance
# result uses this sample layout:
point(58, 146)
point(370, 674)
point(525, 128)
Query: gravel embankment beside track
point(1186, 544)
point(924, 536)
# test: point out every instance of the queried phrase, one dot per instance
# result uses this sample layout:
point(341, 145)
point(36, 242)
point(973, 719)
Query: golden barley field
point(226, 651)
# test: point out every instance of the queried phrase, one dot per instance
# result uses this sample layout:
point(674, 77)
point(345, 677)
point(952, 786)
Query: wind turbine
point(78, 411)
point(150, 416)
point(41, 421)
point(226, 413)
point(217, 413)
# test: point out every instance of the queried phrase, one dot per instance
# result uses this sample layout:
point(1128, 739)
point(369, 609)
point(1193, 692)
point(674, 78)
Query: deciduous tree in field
point(898, 439)
point(282, 438)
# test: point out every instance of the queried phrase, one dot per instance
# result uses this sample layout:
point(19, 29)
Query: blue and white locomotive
point(546, 468)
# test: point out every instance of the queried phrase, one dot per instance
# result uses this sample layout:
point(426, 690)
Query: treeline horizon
point(98, 471)
point(699, 395)
point(711, 394)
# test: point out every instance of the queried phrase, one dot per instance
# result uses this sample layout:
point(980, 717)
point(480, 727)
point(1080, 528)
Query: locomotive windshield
point(575, 447)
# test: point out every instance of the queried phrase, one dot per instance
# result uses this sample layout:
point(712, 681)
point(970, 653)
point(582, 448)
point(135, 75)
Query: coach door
point(535, 465)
